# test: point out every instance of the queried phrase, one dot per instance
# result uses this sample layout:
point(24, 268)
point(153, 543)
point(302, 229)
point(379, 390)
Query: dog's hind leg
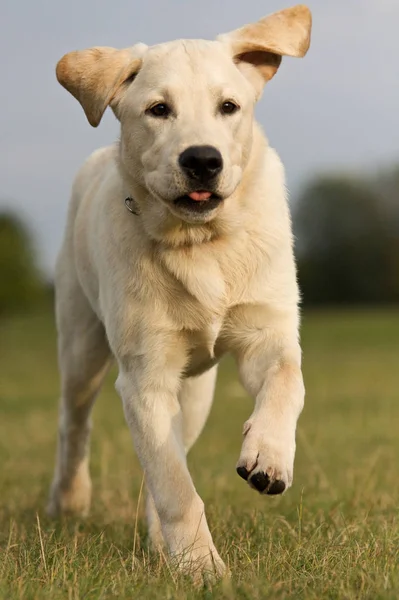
point(84, 358)
point(196, 396)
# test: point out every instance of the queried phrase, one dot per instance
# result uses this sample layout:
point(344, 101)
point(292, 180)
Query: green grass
point(335, 534)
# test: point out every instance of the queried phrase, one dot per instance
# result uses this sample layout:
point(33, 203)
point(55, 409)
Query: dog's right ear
point(258, 48)
point(94, 76)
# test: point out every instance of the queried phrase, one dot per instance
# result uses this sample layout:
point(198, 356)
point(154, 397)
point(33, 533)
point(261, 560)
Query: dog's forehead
point(189, 58)
point(190, 48)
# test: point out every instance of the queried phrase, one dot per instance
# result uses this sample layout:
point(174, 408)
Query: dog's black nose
point(201, 162)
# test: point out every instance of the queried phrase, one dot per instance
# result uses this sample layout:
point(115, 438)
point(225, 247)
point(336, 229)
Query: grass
point(335, 534)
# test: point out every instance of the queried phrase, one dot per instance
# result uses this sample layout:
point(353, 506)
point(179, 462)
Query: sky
point(337, 109)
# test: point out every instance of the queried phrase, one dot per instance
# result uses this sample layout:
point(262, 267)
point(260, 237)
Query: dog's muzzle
point(201, 165)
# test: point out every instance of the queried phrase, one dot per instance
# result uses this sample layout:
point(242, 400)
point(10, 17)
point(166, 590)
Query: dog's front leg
point(269, 365)
point(149, 386)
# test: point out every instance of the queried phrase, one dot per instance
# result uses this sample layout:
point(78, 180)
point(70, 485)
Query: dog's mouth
point(199, 201)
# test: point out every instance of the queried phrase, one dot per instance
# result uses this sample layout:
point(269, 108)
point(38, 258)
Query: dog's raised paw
point(266, 463)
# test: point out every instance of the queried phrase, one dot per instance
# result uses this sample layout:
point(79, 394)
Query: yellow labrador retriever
point(178, 249)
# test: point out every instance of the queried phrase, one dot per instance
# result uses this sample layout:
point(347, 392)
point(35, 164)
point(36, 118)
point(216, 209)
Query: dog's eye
point(228, 108)
point(159, 110)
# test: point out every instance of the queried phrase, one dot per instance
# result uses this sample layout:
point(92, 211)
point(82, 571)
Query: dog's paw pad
point(277, 487)
point(242, 471)
point(264, 484)
point(260, 481)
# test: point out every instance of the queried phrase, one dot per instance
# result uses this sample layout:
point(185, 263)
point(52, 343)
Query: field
point(335, 534)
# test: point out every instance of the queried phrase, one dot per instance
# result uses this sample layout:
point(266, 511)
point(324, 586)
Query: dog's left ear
point(258, 48)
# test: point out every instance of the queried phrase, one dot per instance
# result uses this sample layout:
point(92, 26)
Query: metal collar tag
point(131, 205)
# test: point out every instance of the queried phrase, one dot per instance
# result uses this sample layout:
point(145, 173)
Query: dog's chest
point(207, 282)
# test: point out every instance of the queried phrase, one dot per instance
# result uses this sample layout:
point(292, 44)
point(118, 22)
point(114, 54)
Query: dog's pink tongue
point(199, 196)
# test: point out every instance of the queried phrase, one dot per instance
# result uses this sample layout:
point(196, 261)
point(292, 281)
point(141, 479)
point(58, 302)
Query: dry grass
point(335, 534)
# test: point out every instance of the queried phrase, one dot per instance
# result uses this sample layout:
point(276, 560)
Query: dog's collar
point(131, 205)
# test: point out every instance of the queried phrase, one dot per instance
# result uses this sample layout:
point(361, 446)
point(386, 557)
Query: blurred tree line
point(347, 240)
point(347, 246)
point(22, 286)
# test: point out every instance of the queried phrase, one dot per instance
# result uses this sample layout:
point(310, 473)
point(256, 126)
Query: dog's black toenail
point(260, 481)
point(277, 487)
point(243, 472)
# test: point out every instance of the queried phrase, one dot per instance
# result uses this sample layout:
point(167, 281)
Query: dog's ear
point(94, 76)
point(258, 48)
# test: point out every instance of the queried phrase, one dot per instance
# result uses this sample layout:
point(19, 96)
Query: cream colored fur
point(166, 293)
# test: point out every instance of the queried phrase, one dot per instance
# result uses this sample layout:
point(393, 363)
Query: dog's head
point(186, 107)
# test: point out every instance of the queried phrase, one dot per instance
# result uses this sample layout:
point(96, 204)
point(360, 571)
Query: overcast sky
point(337, 108)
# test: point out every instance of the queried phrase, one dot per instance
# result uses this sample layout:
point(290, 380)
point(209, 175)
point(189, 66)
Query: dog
point(178, 249)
